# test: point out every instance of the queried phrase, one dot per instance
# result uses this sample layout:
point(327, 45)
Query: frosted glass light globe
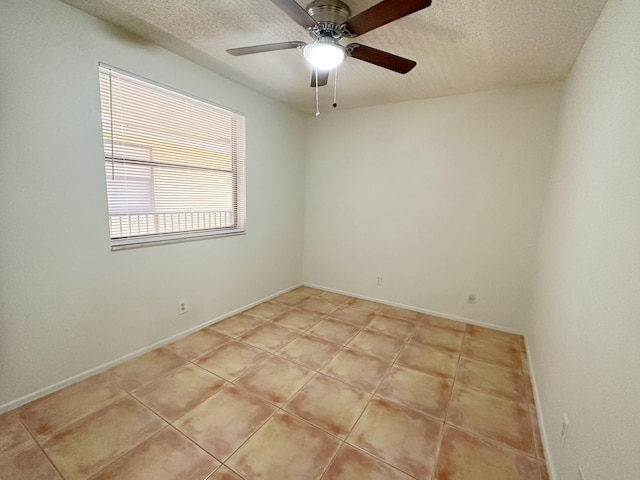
point(324, 54)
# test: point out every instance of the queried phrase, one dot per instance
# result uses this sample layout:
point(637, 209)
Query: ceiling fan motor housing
point(330, 15)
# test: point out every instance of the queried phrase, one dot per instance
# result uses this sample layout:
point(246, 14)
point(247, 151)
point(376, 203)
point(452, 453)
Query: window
point(174, 164)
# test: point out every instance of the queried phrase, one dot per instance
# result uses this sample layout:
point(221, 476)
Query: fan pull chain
point(335, 88)
point(317, 100)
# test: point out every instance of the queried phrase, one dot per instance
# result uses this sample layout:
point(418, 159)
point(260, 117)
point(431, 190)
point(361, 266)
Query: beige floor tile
point(223, 422)
point(13, 436)
point(334, 331)
point(178, 392)
point(198, 343)
point(492, 379)
point(276, 379)
point(400, 436)
point(269, 337)
point(524, 360)
point(267, 310)
point(401, 313)
point(168, 455)
point(320, 305)
point(292, 298)
point(366, 305)
point(527, 379)
point(309, 290)
point(493, 417)
point(28, 464)
point(356, 316)
point(337, 298)
point(488, 334)
point(90, 444)
point(309, 351)
point(537, 439)
point(223, 473)
point(544, 472)
point(232, 360)
point(296, 319)
point(417, 390)
point(429, 360)
point(49, 414)
point(285, 448)
point(353, 464)
point(329, 404)
point(497, 353)
point(377, 344)
point(528, 387)
point(135, 373)
point(392, 326)
point(357, 369)
point(466, 457)
point(441, 338)
point(439, 322)
point(238, 325)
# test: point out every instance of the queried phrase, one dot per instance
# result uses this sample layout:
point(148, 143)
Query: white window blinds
point(174, 164)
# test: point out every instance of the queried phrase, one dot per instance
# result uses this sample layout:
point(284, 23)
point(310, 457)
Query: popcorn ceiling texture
point(461, 46)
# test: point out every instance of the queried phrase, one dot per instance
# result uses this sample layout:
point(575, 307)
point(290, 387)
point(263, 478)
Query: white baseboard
point(105, 366)
point(541, 424)
point(418, 309)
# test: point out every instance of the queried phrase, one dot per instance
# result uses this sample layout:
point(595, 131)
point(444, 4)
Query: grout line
point(446, 415)
point(137, 444)
point(37, 444)
point(493, 442)
point(228, 468)
point(379, 459)
point(372, 395)
point(189, 439)
point(262, 424)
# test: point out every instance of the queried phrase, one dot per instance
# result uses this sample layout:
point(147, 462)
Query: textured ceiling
point(460, 46)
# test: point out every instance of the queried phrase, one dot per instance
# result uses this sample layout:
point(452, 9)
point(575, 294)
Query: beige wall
point(585, 332)
point(441, 197)
point(67, 303)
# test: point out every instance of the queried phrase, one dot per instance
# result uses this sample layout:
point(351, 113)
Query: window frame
point(237, 170)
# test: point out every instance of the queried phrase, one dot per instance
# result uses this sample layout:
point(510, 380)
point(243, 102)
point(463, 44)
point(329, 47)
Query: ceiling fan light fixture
point(325, 53)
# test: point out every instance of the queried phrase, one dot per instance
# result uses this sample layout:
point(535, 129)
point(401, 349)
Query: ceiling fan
point(328, 21)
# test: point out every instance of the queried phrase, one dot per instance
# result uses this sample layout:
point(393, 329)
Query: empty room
point(357, 239)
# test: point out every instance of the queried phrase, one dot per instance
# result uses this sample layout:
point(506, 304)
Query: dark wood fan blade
point(323, 78)
point(268, 47)
point(296, 12)
point(382, 13)
point(380, 58)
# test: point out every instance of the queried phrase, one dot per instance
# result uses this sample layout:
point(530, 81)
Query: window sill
point(140, 242)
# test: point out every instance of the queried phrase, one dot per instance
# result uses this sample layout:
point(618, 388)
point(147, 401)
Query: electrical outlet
point(182, 307)
point(471, 298)
point(581, 475)
point(565, 428)
point(379, 280)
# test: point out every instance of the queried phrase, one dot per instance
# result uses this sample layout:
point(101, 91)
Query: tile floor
point(310, 385)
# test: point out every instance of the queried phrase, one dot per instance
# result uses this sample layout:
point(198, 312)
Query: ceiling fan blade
point(296, 12)
point(382, 13)
point(268, 47)
point(380, 58)
point(323, 78)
